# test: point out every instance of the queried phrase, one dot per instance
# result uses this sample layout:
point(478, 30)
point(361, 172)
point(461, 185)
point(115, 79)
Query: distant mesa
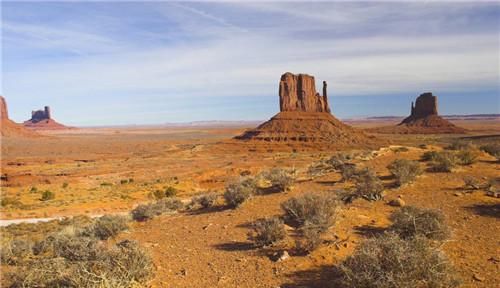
point(423, 119)
point(305, 119)
point(42, 120)
point(9, 128)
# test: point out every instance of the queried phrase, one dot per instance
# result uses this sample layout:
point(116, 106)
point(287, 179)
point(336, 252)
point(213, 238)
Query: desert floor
point(112, 170)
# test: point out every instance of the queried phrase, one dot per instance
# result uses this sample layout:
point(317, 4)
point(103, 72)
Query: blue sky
point(114, 63)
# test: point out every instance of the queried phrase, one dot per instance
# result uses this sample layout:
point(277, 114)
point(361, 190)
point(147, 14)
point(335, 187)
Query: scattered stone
point(280, 256)
point(458, 194)
point(493, 194)
point(398, 202)
point(478, 277)
point(206, 226)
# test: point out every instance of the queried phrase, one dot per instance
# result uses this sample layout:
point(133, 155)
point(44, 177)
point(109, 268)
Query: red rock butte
point(42, 120)
point(423, 119)
point(9, 128)
point(305, 119)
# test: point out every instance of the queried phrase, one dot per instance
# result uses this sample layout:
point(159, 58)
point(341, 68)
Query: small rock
point(206, 226)
point(282, 256)
point(398, 202)
point(183, 272)
point(478, 277)
point(458, 194)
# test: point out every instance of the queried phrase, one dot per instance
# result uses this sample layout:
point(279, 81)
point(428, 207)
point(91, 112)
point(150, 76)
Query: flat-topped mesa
point(425, 105)
point(40, 115)
point(298, 93)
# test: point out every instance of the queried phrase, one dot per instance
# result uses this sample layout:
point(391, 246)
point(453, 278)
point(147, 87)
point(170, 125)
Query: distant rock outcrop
point(9, 128)
point(42, 120)
point(305, 121)
point(423, 119)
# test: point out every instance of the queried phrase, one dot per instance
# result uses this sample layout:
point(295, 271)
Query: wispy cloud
point(186, 51)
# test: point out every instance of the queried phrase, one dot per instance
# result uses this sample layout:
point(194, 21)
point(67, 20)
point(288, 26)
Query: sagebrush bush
point(268, 231)
point(348, 171)
point(311, 210)
point(368, 185)
point(47, 195)
point(405, 171)
point(205, 200)
point(471, 183)
point(467, 156)
point(239, 191)
point(459, 145)
point(279, 178)
point(410, 221)
point(108, 226)
point(148, 211)
point(388, 261)
point(340, 159)
point(309, 240)
point(14, 251)
point(493, 149)
point(444, 162)
point(429, 156)
point(123, 265)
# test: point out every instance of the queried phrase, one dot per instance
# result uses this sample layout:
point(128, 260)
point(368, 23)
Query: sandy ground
point(90, 172)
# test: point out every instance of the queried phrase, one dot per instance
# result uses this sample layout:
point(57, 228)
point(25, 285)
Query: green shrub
point(444, 162)
point(459, 145)
point(108, 226)
point(47, 195)
point(170, 191)
point(9, 201)
point(368, 185)
point(278, 178)
point(65, 185)
point(33, 189)
point(405, 171)
point(410, 221)
point(388, 261)
point(311, 210)
point(238, 192)
point(144, 212)
point(106, 184)
point(205, 200)
point(268, 231)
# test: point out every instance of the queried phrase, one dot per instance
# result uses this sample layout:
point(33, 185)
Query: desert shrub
point(123, 265)
point(410, 221)
point(268, 231)
point(459, 145)
point(33, 189)
point(103, 184)
point(47, 195)
point(493, 149)
point(348, 171)
point(14, 251)
point(429, 156)
point(280, 179)
point(423, 146)
point(388, 261)
point(400, 149)
point(467, 156)
point(339, 159)
point(170, 191)
point(405, 171)
point(107, 226)
point(493, 185)
point(444, 162)
point(311, 210)
point(74, 248)
point(310, 239)
point(148, 211)
point(471, 183)
point(205, 200)
point(239, 191)
point(9, 201)
point(65, 185)
point(368, 185)
point(319, 168)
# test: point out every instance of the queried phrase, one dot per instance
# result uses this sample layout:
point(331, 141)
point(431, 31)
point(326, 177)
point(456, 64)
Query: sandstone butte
point(42, 120)
point(305, 119)
point(423, 119)
point(9, 128)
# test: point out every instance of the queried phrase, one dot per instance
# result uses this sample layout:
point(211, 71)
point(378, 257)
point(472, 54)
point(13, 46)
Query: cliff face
point(298, 93)
point(40, 115)
point(4, 113)
point(7, 127)
point(425, 105)
point(42, 120)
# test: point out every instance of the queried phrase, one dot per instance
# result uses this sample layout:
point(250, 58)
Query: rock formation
point(423, 119)
point(298, 93)
point(305, 120)
point(9, 128)
point(42, 120)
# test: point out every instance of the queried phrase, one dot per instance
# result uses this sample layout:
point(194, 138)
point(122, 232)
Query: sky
point(118, 63)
